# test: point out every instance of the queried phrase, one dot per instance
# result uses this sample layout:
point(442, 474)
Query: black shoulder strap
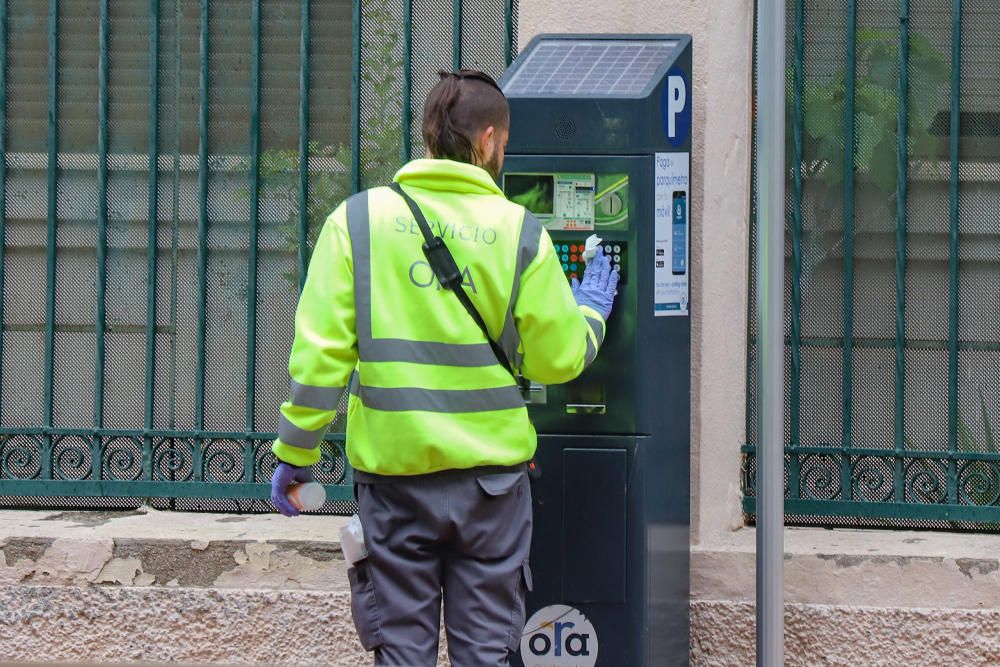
point(446, 270)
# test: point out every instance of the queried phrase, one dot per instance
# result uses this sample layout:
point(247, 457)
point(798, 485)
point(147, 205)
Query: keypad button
point(572, 267)
point(565, 266)
point(618, 258)
point(572, 258)
point(572, 275)
point(618, 248)
point(565, 258)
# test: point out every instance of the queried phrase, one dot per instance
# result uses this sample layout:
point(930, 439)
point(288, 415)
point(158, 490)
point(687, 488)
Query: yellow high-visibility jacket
point(428, 393)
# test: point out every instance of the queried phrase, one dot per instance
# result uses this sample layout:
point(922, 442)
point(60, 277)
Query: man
point(437, 430)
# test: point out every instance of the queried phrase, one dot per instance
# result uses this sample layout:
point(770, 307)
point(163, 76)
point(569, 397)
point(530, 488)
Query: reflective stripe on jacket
point(428, 393)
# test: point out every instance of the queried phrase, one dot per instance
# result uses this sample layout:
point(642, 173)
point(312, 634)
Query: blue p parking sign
point(677, 107)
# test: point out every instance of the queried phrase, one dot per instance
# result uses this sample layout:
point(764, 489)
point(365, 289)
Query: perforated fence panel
point(166, 166)
point(893, 266)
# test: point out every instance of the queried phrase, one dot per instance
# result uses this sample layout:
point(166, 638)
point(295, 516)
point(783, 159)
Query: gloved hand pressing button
point(284, 475)
point(599, 286)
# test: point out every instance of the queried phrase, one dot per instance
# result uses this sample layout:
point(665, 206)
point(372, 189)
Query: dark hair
point(460, 106)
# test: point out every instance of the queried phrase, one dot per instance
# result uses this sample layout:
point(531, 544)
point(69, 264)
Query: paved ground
point(184, 526)
point(151, 587)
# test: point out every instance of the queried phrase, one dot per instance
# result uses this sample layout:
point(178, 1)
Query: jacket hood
point(448, 176)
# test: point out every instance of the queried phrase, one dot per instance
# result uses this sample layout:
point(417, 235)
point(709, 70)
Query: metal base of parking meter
point(600, 144)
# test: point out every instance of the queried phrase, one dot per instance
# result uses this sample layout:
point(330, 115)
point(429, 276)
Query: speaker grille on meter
point(565, 128)
point(590, 67)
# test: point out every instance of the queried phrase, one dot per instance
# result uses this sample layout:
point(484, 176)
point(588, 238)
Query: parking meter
point(600, 143)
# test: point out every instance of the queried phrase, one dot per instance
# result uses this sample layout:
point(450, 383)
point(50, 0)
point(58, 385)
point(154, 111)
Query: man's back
point(437, 430)
point(424, 367)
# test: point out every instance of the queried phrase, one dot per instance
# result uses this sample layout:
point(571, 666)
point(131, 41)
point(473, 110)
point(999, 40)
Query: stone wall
point(173, 587)
point(720, 194)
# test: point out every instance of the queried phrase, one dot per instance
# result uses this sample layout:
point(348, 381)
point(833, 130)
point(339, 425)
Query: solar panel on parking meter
point(590, 67)
point(600, 145)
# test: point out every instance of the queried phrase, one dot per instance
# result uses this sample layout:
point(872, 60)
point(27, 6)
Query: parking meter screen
point(572, 201)
point(534, 192)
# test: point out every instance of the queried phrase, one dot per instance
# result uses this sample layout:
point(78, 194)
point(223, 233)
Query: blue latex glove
point(284, 475)
point(599, 286)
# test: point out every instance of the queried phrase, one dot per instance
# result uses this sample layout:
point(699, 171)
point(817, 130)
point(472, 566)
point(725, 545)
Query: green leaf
point(831, 150)
point(867, 136)
point(991, 445)
point(866, 34)
point(878, 101)
point(926, 99)
point(923, 145)
point(821, 120)
point(928, 59)
point(884, 165)
point(883, 71)
point(966, 443)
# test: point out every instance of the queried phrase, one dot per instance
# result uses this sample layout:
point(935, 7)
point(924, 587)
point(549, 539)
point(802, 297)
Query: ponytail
point(458, 108)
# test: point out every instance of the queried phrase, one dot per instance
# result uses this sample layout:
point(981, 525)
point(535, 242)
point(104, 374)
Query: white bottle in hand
point(306, 497)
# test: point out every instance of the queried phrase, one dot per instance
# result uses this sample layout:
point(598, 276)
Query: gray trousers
point(458, 536)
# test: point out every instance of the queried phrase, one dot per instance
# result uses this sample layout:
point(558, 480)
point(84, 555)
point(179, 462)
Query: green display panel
point(572, 202)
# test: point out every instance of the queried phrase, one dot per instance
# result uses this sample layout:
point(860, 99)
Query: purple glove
point(599, 286)
point(284, 475)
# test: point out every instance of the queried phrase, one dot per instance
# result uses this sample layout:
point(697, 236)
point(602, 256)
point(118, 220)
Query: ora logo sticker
point(558, 636)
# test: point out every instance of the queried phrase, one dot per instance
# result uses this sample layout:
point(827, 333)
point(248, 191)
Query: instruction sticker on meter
point(672, 235)
point(572, 202)
point(562, 202)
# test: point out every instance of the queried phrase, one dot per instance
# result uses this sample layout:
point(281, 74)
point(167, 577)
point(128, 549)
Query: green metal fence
point(166, 165)
point(893, 271)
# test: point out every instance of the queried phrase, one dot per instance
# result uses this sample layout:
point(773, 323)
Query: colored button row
point(609, 249)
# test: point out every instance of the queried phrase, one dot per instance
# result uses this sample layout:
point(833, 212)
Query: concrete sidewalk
point(151, 523)
point(172, 587)
point(159, 587)
point(153, 548)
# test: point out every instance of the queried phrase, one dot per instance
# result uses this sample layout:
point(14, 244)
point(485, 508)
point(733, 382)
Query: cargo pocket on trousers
point(499, 484)
point(364, 608)
point(517, 616)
